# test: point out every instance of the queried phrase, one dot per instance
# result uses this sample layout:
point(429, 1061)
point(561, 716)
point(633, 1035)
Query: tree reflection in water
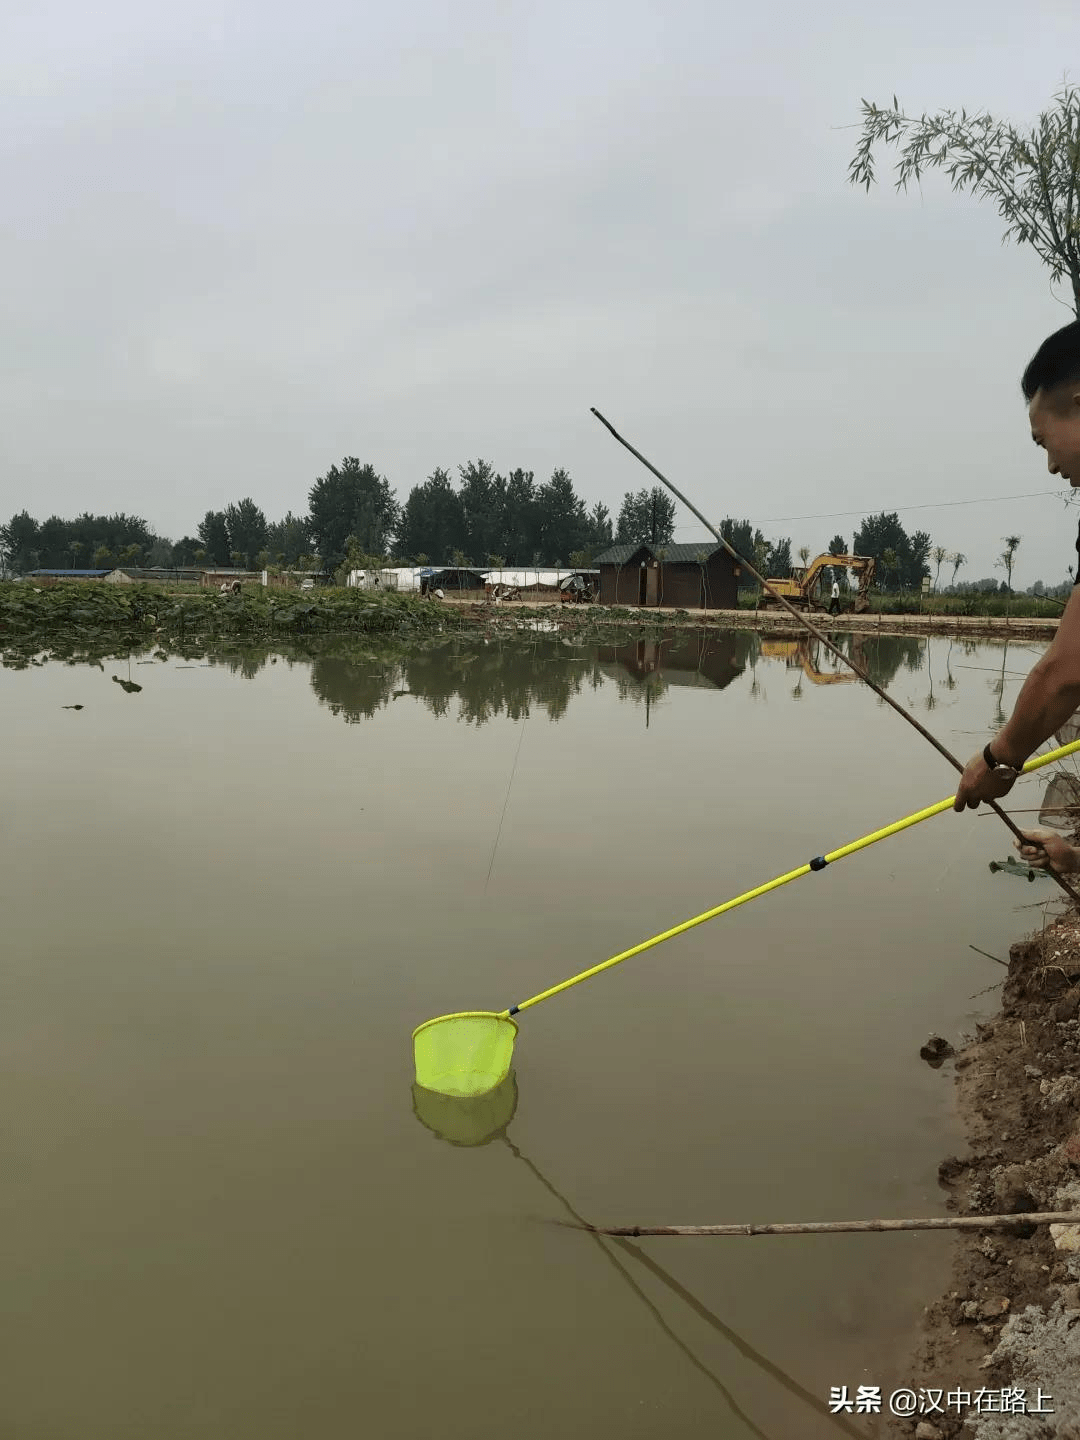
point(487, 676)
point(502, 676)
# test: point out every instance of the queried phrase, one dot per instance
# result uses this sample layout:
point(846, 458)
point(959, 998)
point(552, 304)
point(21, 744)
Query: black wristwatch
point(1000, 766)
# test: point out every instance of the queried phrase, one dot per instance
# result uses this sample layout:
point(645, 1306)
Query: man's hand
point(1047, 851)
point(979, 783)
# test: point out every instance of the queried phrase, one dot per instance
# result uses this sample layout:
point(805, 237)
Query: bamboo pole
point(834, 1227)
point(804, 620)
point(1040, 810)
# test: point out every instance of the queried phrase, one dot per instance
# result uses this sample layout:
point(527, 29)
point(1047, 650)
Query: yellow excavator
point(799, 587)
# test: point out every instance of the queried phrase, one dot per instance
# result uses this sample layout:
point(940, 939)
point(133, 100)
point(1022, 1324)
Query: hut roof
point(677, 554)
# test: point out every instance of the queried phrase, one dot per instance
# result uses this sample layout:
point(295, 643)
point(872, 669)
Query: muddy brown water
point(229, 896)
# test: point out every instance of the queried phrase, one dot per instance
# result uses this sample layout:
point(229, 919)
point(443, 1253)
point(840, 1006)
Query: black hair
point(1056, 362)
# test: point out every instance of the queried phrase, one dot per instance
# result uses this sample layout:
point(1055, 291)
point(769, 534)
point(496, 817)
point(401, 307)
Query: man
point(1051, 692)
point(834, 603)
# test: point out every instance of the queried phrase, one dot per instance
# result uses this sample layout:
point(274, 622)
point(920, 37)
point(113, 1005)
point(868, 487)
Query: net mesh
point(1062, 799)
point(466, 1054)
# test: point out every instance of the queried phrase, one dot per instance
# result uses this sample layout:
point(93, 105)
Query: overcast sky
point(240, 241)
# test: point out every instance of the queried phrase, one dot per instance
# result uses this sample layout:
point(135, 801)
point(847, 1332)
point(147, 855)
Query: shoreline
point(1009, 627)
point(257, 610)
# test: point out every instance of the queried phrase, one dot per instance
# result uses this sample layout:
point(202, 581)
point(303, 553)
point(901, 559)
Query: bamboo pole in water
point(833, 1227)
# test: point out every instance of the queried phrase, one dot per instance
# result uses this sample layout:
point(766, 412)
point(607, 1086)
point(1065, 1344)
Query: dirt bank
point(1010, 1315)
point(577, 616)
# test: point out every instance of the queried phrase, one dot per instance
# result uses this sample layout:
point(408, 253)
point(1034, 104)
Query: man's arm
point(1048, 697)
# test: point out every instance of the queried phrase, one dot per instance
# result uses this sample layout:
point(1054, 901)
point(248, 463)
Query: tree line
point(901, 558)
point(353, 516)
point(353, 519)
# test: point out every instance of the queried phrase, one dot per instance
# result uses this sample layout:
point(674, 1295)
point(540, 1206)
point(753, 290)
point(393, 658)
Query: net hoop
point(467, 1015)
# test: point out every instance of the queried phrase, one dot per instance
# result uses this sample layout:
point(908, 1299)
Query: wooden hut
point(687, 577)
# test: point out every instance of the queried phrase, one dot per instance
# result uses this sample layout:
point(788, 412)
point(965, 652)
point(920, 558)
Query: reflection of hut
point(690, 577)
point(706, 661)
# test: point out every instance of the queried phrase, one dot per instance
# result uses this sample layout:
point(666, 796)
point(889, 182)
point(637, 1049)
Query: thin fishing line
point(506, 800)
point(993, 670)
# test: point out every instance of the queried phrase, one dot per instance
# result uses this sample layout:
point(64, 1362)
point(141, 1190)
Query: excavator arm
point(864, 566)
point(799, 588)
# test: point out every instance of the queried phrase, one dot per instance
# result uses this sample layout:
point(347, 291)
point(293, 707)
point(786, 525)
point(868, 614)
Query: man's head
point(1051, 386)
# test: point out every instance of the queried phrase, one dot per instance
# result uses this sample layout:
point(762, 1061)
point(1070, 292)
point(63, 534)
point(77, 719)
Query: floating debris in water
point(71, 707)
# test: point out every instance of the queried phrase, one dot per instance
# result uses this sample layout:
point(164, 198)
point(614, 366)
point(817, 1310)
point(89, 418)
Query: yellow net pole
point(818, 863)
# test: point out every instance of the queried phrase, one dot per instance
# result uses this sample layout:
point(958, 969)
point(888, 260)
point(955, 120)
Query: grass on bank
point(1016, 607)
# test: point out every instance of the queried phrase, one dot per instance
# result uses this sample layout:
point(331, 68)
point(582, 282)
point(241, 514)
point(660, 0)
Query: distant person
point(1051, 692)
point(834, 603)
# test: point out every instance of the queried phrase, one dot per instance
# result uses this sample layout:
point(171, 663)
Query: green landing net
point(470, 1053)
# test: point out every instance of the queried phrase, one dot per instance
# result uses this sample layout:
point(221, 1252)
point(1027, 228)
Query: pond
point(232, 884)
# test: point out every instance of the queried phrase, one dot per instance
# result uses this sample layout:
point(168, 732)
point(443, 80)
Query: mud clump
point(936, 1051)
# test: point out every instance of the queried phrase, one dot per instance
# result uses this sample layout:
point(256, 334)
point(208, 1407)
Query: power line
point(933, 505)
